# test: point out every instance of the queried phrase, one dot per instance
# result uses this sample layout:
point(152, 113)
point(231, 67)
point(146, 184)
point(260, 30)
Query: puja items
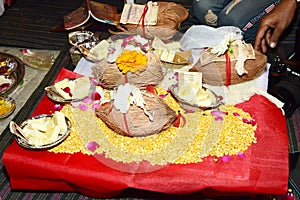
point(7, 106)
point(222, 56)
point(191, 95)
point(11, 73)
point(135, 113)
point(232, 61)
point(7, 65)
point(109, 75)
point(82, 42)
point(170, 53)
point(128, 61)
point(170, 17)
point(68, 90)
point(197, 99)
point(42, 131)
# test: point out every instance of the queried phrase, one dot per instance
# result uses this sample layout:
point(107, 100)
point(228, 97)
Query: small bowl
point(15, 75)
point(216, 101)
point(7, 102)
point(77, 38)
point(26, 145)
point(8, 64)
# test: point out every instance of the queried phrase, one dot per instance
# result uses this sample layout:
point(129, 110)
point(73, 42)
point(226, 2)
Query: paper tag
point(190, 78)
point(132, 13)
point(207, 57)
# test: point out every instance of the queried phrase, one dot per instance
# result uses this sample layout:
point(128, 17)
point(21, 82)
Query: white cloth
point(84, 67)
point(202, 36)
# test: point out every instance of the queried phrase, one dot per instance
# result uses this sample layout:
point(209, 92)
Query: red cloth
point(264, 170)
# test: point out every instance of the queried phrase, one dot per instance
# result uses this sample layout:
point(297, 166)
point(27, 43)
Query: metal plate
point(61, 138)
point(16, 74)
point(191, 106)
point(57, 98)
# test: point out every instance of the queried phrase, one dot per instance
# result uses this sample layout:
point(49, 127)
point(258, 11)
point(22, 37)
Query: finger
point(260, 36)
point(273, 39)
point(264, 46)
point(268, 36)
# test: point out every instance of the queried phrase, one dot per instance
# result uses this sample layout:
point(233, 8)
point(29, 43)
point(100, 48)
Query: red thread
point(143, 19)
point(126, 78)
point(126, 125)
point(228, 68)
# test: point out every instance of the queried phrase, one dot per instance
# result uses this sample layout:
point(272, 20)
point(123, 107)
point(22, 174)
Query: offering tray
point(215, 100)
point(53, 95)
point(14, 77)
point(16, 130)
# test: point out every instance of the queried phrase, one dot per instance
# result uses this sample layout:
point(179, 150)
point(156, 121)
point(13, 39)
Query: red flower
point(180, 121)
point(151, 89)
point(67, 90)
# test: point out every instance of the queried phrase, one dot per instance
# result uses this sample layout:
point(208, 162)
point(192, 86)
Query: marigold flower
point(131, 60)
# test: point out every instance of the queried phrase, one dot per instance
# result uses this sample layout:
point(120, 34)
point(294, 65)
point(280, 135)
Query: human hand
point(273, 24)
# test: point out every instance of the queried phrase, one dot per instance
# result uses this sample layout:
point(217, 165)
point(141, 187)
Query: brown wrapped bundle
point(215, 73)
point(135, 122)
point(109, 75)
point(170, 17)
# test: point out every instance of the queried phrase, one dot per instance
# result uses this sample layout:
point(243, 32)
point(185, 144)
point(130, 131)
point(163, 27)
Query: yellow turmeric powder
point(5, 107)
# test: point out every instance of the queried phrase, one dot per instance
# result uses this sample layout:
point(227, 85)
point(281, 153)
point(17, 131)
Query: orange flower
point(131, 60)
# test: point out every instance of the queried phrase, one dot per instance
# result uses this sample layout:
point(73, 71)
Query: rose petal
point(163, 95)
point(57, 107)
point(252, 122)
point(95, 96)
point(218, 118)
point(241, 155)
point(218, 113)
point(87, 100)
point(189, 111)
point(225, 158)
point(176, 76)
point(75, 104)
point(67, 90)
point(94, 106)
point(92, 146)
point(169, 90)
point(236, 114)
point(245, 120)
point(180, 121)
point(83, 107)
point(93, 81)
point(151, 89)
